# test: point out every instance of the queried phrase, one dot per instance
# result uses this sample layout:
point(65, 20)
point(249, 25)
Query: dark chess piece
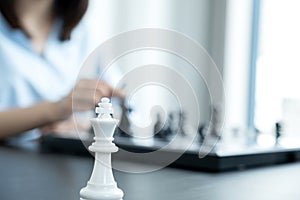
point(202, 131)
point(215, 122)
point(159, 128)
point(181, 123)
point(212, 135)
point(124, 127)
point(278, 132)
point(169, 131)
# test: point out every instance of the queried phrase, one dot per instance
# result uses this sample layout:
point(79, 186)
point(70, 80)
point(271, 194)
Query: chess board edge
point(189, 160)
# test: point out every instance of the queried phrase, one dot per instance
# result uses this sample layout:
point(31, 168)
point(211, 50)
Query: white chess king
point(102, 185)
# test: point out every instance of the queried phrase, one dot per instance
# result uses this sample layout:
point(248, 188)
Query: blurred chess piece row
point(174, 124)
point(163, 129)
point(210, 136)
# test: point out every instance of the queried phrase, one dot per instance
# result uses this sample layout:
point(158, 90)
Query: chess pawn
point(278, 132)
point(102, 185)
point(124, 128)
point(182, 123)
point(202, 131)
point(213, 136)
point(158, 128)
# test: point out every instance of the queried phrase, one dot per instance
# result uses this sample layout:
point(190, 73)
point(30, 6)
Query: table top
point(30, 174)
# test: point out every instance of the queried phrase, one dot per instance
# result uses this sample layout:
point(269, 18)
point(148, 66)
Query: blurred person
point(42, 46)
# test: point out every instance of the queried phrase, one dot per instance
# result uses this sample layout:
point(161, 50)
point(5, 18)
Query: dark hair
point(70, 12)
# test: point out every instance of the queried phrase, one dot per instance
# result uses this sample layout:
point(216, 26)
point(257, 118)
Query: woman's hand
point(85, 95)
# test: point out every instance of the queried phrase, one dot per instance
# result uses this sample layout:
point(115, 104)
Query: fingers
point(87, 93)
point(106, 90)
point(118, 93)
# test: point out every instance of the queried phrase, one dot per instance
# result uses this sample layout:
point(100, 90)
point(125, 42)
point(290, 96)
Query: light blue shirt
point(26, 77)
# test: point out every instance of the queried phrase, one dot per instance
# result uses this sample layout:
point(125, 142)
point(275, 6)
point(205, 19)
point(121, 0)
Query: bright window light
point(278, 67)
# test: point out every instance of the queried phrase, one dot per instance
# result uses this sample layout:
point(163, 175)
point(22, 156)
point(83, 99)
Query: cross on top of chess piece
point(105, 109)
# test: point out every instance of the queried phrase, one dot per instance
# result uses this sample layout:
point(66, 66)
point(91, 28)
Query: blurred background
point(253, 43)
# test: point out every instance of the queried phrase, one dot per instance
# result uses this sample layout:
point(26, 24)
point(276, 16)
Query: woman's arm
point(16, 121)
point(83, 97)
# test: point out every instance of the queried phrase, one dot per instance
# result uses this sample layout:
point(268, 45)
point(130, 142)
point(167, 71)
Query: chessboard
point(209, 150)
point(215, 161)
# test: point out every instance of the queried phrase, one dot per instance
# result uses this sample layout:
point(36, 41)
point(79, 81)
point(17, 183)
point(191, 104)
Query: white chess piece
point(102, 185)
